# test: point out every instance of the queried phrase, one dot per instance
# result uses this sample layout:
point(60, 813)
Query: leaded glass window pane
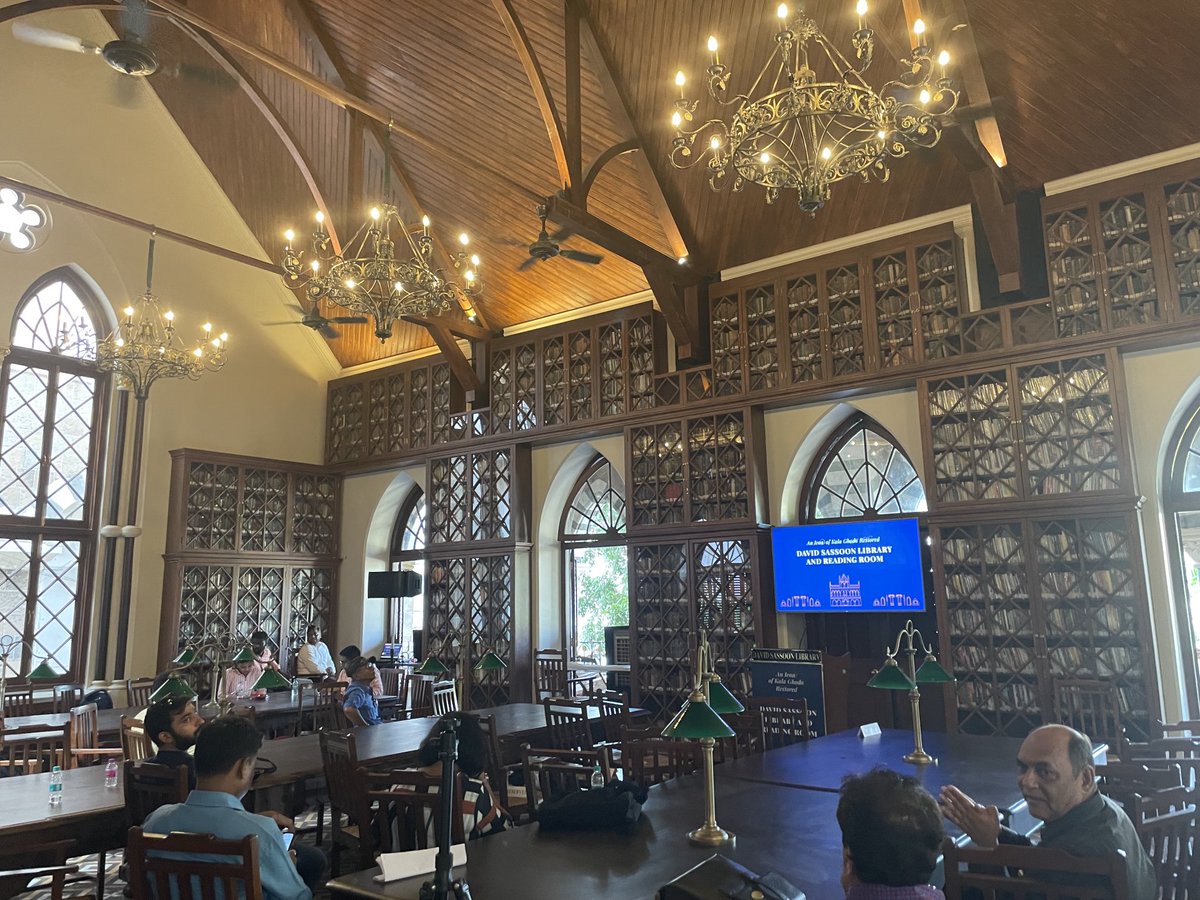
point(55, 320)
point(598, 507)
point(414, 529)
point(865, 474)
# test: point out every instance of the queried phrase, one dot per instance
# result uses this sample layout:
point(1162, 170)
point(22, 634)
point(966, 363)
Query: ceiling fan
point(130, 54)
point(323, 325)
point(547, 247)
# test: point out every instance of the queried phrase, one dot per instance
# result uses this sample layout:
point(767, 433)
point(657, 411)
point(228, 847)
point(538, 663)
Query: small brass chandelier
point(367, 278)
point(145, 347)
point(806, 129)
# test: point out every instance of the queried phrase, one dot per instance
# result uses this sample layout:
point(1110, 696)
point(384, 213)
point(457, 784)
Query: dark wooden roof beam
point(462, 328)
point(460, 367)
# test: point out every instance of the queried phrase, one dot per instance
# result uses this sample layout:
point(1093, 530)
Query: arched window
point(592, 533)
point(861, 472)
point(1181, 508)
point(54, 408)
point(408, 547)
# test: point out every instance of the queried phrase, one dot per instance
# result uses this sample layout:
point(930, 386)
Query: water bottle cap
point(56, 769)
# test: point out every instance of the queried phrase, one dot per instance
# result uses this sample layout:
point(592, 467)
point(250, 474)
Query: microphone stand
point(441, 886)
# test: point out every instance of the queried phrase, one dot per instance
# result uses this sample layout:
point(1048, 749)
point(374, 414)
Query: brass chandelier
point(366, 277)
point(801, 129)
point(145, 347)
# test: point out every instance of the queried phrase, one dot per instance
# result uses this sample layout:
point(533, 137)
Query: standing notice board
point(792, 675)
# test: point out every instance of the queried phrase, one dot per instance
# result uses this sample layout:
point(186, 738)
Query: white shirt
point(314, 659)
point(237, 683)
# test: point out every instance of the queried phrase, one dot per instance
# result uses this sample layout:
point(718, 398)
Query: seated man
point(358, 702)
point(262, 653)
point(891, 837)
point(240, 678)
point(226, 751)
point(348, 655)
point(1058, 780)
point(313, 659)
point(171, 725)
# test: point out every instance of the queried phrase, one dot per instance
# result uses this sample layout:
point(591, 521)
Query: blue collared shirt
point(358, 696)
point(221, 814)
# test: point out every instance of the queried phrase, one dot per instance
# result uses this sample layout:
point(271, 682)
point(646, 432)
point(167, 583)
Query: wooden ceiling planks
point(1081, 85)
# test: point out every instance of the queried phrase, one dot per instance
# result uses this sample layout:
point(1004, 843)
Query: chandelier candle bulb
point(782, 11)
point(712, 48)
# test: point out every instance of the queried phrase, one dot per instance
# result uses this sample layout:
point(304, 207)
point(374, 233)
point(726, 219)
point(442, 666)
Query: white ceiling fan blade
point(55, 40)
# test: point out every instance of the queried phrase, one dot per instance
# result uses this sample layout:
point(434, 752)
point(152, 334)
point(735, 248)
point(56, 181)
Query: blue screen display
point(865, 566)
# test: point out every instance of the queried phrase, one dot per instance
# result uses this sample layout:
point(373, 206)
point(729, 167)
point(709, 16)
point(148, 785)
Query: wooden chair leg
point(320, 822)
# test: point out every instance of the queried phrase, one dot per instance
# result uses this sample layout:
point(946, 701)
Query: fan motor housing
point(130, 58)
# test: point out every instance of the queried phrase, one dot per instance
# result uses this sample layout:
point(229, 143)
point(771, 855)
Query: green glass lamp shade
point(490, 662)
point(931, 672)
point(696, 719)
point(721, 701)
point(244, 655)
point(431, 665)
point(185, 658)
point(271, 680)
point(891, 678)
point(43, 672)
point(174, 687)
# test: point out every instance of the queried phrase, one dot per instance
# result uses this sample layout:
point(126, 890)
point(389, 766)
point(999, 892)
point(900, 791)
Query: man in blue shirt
point(359, 702)
point(226, 750)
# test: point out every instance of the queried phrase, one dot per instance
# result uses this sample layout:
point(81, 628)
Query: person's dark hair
point(355, 664)
point(158, 716)
point(224, 741)
point(1079, 751)
point(891, 826)
point(259, 636)
point(350, 651)
point(313, 626)
point(472, 744)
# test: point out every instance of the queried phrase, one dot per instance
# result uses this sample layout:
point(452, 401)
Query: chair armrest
point(114, 752)
point(40, 872)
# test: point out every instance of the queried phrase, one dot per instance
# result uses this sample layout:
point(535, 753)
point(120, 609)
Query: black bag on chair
point(720, 878)
point(609, 809)
point(101, 698)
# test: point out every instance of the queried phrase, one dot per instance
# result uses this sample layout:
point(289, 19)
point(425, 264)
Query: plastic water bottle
point(597, 778)
point(295, 688)
point(56, 786)
point(110, 773)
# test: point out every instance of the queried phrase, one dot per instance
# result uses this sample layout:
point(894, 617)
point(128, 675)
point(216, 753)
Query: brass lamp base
point(919, 758)
point(711, 836)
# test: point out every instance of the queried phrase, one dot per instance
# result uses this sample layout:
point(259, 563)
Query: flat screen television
point(867, 566)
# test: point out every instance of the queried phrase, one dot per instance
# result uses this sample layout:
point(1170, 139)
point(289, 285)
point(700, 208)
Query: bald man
point(1058, 780)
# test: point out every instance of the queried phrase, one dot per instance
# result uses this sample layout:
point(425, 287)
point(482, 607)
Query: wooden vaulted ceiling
point(1078, 85)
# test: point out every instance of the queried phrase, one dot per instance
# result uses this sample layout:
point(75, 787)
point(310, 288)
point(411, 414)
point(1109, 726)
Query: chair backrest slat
point(150, 785)
point(421, 690)
point(568, 723)
point(410, 809)
point(970, 869)
point(18, 702)
point(550, 673)
point(138, 691)
point(653, 761)
point(551, 772)
point(445, 698)
point(135, 743)
point(1167, 828)
point(35, 748)
point(154, 874)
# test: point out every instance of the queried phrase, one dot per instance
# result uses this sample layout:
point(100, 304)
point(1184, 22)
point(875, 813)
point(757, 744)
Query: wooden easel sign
point(793, 675)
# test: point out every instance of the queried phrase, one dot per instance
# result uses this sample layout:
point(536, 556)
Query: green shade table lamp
point(490, 662)
point(271, 680)
point(431, 665)
point(697, 720)
point(245, 655)
point(174, 688)
point(891, 677)
point(43, 672)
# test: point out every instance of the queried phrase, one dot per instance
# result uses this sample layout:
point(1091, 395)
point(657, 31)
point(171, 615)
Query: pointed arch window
point(406, 614)
point(861, 472)
point(1181, 509)
point(595, 560)
point(52, 413)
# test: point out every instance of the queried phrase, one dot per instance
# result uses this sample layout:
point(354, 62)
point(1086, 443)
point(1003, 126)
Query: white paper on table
point(411, 863)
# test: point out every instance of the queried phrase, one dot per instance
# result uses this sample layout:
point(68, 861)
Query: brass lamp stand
point(891, 677)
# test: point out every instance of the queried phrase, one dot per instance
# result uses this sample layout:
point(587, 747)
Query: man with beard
point(172, 724)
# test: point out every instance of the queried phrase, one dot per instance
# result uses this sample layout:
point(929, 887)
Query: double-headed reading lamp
point(893, 678)
point(490, 661)
point(700, 718)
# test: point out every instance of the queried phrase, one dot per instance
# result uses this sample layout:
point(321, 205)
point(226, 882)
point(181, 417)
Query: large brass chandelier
point(811, 119)
point(145, 347)
point(366, 277)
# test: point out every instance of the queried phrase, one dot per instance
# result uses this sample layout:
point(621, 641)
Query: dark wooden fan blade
point(298, 308)
point(580, 256)
point(203, 75)
point(287, 322)
point(328, 331)
point(348, 320)
point(562, 234)
point(527, 264)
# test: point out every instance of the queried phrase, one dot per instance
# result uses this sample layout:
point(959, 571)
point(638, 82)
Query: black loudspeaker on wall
point(393, 584)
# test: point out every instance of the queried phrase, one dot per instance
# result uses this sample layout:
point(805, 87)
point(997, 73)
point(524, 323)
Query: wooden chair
point(1089, 705)
point(35, 748)
point(135, 743)
point(150, 785)
point(550, 674)
point(324, 710)
point(67, 696)
point(513, 797)
point(85, 738)
point(18, 702)
point(347, 787)
point(582, 678)
point(445, 698)
point(421, 693)
point(1166, 752)
point(657, 760)
point(552, 772)
point(747, 738)
point(409, 810)
point(232, 872)
point(782, 721)
point(1124, 782)
point(614, 715)
point(985, 873)
point(21, 863)
point(568, 724)
point(1182, 728)
point(395, 684)
point(1168, 832)
point(138, 691)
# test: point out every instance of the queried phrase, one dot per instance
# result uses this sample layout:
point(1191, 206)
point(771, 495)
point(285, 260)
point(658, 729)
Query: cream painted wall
point(1162, 386)
point(61, 131)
